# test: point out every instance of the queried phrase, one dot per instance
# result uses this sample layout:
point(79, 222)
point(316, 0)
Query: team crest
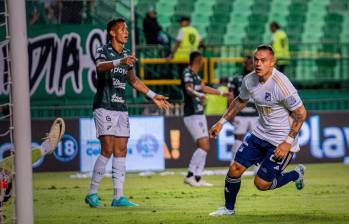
point(267, 96)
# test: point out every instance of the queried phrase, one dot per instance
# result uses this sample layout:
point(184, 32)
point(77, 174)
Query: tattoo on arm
point(234, 108)
point(300, 115)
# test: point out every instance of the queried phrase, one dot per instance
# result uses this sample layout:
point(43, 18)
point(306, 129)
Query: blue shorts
point(254, 151)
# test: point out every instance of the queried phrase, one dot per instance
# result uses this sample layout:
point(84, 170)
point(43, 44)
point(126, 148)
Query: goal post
point(21, 110)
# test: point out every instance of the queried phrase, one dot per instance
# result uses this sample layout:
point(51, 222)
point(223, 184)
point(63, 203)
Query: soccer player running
point(275, 138)
point(194, 119)
point(246, 120)
point(114, 67)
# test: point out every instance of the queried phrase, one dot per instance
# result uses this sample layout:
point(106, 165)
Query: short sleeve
point(244, 93)
point(293, 101)
point(180, 35)
point(100, 54)
point(288, 94)
point(188, 78)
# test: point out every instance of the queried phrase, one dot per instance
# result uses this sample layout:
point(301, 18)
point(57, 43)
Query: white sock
point(118, 175)
point(98, 173)
point(45, 147)
point(197, 162)
point(235, 148)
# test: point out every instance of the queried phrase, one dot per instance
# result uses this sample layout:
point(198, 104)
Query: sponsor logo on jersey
point(117, 99)
point(119, 85)
point(119, 69)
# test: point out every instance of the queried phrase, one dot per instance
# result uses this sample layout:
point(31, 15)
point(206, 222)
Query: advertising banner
point(324, 137)
point(61, 63)
point(145, 145)
point(65, 158)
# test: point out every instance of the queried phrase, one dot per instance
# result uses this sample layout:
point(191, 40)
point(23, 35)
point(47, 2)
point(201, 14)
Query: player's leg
point(119, 172)
point(270, 175)
point(104, 133)
point(203, 146)
point(197, 127)
point(92, 198)
point(120, 141)
point(247, 155)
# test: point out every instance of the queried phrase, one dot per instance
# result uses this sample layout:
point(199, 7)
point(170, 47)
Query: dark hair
point(193, 56)
point(112, 23)
point(184, 18)
point(266, 47)
point(277, 26)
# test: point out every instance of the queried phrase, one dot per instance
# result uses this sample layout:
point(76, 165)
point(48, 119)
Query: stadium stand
point(318, 32)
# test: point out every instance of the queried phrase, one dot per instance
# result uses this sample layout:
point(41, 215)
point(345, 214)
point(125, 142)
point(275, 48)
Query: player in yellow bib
point(280, 46)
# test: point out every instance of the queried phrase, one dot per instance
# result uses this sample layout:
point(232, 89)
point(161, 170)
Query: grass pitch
point(165, 199)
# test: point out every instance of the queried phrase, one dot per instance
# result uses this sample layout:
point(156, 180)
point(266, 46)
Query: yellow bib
point(189, 43)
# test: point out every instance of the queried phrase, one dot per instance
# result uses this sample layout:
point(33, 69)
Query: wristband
point(116, 62)
point(289, 140)
point(151, 94)
point(201, 94)
point(221, 93)
point(222, 121)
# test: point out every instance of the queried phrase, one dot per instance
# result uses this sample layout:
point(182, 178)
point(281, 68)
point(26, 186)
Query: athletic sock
point(197, 162)
point(190, 174)
point(118, 175)
point(98, 173)
point(284, 178)
point(197, 178)
point(231, 190)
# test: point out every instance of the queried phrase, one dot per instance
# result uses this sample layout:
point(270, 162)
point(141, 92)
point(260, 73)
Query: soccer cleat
point(191, 181)
point(93, 200)
point(55, 135)
point(122, 202)
point(300, 181)
point(203, 183)
point(222, 212)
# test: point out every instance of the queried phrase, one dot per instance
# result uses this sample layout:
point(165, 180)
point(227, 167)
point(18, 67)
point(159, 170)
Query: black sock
point(190, 174)
point(197, 178)
point(231, 190)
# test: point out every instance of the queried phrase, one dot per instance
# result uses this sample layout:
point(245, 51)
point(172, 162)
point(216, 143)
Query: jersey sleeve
point(100, 54)
point(180, 35)
point(187, 78)
point(244, 93)
point(289, 95)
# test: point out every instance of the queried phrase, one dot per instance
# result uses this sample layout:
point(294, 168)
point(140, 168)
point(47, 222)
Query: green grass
point(325, 199)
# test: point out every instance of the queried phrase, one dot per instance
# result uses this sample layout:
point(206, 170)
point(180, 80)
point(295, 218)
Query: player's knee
point(204, 144)
point(261, 185)
point(236, 170)
point(120, 152)
point(107, 152)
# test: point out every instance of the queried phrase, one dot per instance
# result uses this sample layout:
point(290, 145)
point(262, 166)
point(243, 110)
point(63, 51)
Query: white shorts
point(109, 122)
point(196, 125)
point(244, 124)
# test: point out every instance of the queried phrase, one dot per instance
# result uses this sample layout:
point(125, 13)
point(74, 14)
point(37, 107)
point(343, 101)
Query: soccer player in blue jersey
point(114, 65)
point(275, 138)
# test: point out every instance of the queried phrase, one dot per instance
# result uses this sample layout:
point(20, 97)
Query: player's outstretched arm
point(103, 65)
point(299, 115)
point(210, 90)
point(159, 100)
point(234, 108)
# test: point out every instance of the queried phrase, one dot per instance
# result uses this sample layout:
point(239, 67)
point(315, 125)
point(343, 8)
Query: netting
point(7, 172)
